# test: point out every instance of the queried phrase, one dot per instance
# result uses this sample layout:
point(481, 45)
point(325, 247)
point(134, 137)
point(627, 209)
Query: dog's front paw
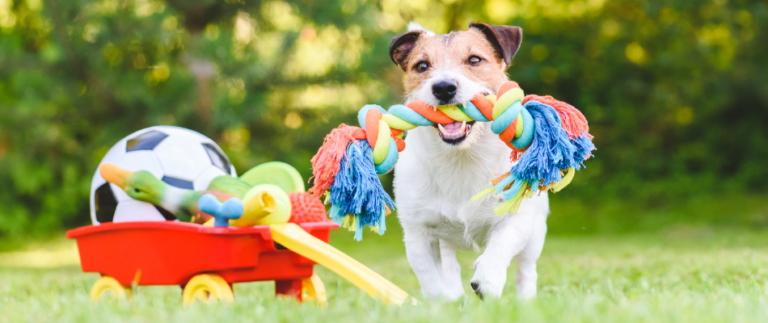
point(489, 278)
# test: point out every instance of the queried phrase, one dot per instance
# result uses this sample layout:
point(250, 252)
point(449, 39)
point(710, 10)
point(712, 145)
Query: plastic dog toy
point(223, 212)
point(263, 203)
point(549, 139)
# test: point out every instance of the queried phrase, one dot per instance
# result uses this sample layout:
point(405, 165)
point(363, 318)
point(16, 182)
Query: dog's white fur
point(416, 26)
point(433, 184)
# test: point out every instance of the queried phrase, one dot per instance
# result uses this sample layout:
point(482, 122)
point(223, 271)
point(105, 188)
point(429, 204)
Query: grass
point(685, 274)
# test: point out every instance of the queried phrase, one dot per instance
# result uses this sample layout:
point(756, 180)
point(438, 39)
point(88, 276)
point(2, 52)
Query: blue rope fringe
point(357, 191)
point(551, 149)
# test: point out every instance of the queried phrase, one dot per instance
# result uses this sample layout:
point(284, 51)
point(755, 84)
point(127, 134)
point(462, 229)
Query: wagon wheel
point(108, 286)
point(207, 287)
point(312, 289)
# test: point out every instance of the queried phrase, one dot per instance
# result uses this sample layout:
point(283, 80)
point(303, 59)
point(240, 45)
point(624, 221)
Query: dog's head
point(452, 68)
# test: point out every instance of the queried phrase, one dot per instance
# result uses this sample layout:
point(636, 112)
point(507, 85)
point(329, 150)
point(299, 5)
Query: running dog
point(445, 165)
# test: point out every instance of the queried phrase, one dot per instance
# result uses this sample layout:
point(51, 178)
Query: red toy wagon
point(204, 261)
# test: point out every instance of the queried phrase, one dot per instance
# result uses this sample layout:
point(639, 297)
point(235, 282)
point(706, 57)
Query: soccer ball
point(180, 157)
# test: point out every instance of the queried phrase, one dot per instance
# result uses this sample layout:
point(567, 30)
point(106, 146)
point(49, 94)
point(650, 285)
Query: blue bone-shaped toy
point(222, 212)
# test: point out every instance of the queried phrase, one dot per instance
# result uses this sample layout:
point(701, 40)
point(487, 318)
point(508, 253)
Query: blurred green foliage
point(675, 91)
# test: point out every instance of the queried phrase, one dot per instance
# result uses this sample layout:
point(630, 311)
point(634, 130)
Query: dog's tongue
point(452, 127)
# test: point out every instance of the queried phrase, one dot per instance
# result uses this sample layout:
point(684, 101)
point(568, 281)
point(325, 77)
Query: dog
point(445, 165)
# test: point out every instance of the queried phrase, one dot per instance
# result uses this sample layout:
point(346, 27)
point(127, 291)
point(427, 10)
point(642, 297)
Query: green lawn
point(687, 274)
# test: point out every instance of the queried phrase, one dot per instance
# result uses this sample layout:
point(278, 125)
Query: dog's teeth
point(440, 126)
point(463, 126)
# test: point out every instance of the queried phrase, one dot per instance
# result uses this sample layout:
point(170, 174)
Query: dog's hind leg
point(526, 276)
point(451, 272)
point(507, 239)
point(424, 256)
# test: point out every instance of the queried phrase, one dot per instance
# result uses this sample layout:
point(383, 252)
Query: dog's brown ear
point(505, 39)
point(402, 45)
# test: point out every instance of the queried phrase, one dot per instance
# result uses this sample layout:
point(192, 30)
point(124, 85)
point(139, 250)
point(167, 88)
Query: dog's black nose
point(444, 91)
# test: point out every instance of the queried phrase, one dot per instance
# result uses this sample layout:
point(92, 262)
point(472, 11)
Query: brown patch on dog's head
point(506, 40)
point(402, 45)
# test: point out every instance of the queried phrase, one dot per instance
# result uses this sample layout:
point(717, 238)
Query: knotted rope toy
point(549, 139)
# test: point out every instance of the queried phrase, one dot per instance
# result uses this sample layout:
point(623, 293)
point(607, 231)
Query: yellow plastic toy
point(299, 241)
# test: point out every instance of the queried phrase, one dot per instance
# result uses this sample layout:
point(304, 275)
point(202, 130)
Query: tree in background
point(673, 90)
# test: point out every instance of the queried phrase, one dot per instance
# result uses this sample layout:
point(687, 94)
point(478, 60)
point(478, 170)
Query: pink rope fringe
point(574, 122)
point(327, 161)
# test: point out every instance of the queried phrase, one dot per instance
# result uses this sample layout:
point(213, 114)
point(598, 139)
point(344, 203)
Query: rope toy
point(549, 139)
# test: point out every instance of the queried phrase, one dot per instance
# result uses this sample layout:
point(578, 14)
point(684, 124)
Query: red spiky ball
point(305, 207)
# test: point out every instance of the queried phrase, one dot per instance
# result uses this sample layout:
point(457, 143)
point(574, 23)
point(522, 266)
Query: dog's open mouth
point(454, 133)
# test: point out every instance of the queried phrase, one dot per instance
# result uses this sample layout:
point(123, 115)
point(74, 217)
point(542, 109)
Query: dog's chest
point(434, 185)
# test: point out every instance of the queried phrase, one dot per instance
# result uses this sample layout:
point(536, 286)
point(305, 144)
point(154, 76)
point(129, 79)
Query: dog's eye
point(421, 66)
point(474, 60)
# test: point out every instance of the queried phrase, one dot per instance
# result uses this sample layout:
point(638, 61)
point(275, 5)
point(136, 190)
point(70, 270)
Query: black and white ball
point(180, 157)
